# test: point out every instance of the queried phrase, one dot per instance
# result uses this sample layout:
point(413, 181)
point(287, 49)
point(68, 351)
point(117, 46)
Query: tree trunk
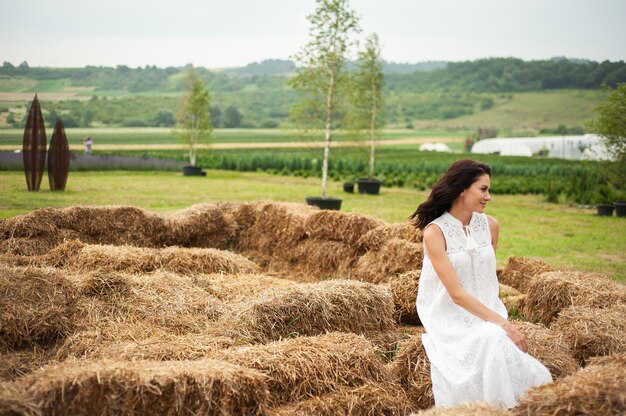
point(373, 129)
point(329, 119)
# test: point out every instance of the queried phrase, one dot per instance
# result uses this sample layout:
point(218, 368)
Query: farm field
point(556, 233)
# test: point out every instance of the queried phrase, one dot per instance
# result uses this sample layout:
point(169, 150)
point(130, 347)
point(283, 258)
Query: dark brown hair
point(459, 176)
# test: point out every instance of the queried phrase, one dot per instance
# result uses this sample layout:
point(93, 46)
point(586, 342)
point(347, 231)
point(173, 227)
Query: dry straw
point(598, 389)
point(370, 399)
point(36, 306)
point(549, 348)
point(519, 272)
point(201, 225)
point(77, 256)
point(411, 369)
point(314, 260)
point(469, 409)
point(591, 331)
point(554, 291)
point(375, 238)
point(15, 364)
point(137, 388)
point(313, 309)
point(395, 256)
point(347, 227)
point(304, 367)
point(404, 292)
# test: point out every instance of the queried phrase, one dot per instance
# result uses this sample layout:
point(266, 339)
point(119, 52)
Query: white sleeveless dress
point(471, 359)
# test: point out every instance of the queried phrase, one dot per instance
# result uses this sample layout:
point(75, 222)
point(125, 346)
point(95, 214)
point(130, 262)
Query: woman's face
point(475, 197)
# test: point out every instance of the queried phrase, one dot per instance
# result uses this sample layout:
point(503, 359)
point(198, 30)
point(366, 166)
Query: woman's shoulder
point(494, 225)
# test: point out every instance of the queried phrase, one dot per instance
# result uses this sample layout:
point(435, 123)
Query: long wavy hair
point(459, 176)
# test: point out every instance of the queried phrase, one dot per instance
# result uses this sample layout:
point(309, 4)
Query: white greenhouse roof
point(564, 147)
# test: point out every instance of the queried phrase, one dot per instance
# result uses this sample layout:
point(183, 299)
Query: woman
point(475, 353)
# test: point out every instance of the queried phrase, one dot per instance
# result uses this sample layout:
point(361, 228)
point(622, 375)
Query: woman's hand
point(516, 336)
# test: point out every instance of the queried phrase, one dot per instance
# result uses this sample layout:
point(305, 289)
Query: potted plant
point(322, 80)
point(193, 120)
point(368, 81)
point(604, 207)
point(620, 208)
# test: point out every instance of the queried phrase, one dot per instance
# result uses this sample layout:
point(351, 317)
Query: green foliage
point(611, 122)
point(193, 118)
point(322, 82)
point(232, 117)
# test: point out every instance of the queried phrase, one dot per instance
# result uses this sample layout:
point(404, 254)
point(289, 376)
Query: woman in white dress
point(475, 353)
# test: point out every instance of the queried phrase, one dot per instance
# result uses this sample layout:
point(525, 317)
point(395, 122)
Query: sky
point(231, 33)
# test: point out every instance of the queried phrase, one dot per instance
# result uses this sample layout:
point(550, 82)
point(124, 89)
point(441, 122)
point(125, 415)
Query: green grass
point(560, 235)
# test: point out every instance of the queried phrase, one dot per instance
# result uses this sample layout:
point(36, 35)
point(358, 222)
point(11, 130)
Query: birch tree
point(321, 77)
point(194, 125)
point(367, 95)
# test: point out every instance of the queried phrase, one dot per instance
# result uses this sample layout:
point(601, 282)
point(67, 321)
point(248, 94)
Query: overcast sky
point(227, 33)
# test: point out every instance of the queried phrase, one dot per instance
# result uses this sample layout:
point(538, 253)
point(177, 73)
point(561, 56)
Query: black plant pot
point(193, 171)
point(369, 186)
point(605, 210)
point(324, 203)
point(620, 208)
point(348, 187)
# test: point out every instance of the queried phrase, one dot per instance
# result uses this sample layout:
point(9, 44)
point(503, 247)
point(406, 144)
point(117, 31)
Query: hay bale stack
point(147, 388)
point(592, 331)
point(598, 389)
point(549, 348)
point(370, 399)
point(411, 369)
point(201, 225)
point(404, 292)
point(375, 238)
point(313, 309)
point(77, 256)
point(395, 256)
point(12, 405)
point(267, 229)
point(347, 227)
point(303, 367)
point(553, 291)
point(36, 306)
point(520, 271)
point(469, 409)
point(387, 343)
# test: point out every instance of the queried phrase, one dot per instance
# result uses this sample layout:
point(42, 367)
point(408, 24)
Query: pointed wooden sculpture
point(34, 147)
point(58, 158)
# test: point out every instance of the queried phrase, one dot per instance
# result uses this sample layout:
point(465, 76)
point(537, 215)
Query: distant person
point(88, 143)
point(475, 353)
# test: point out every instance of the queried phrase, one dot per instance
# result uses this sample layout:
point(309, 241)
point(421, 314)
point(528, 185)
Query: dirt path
point(258, 145)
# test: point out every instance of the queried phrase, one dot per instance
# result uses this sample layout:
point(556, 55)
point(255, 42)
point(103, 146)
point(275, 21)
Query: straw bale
point(14, 364)
point(396, 256)
point(549, 348)
point(347, 227)
point(12, 404)
point(593, 331)
point(412, 369)
point(24, 246)
point(506, 291)
point(240, 287)
point(113, 343)
point(387, 343)
point(520, 271)
point(303, 367)
point(553, 291)
point(315, 308)
point(36, 306)
point(78, 256)
point(201, 225)
point(320, 259)
point(598, 389)
point(375, 238)
point(276, 226)
point(515, 305)
point(370, 399)
point(468, 409)
point(205, 387)
point(404, 292)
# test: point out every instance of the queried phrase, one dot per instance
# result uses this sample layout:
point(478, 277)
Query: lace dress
point(471, 359)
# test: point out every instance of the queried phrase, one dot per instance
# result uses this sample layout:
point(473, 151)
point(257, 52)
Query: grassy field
point(561, 235)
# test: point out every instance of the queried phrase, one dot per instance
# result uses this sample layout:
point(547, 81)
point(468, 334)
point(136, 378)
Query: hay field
point(263, 308)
